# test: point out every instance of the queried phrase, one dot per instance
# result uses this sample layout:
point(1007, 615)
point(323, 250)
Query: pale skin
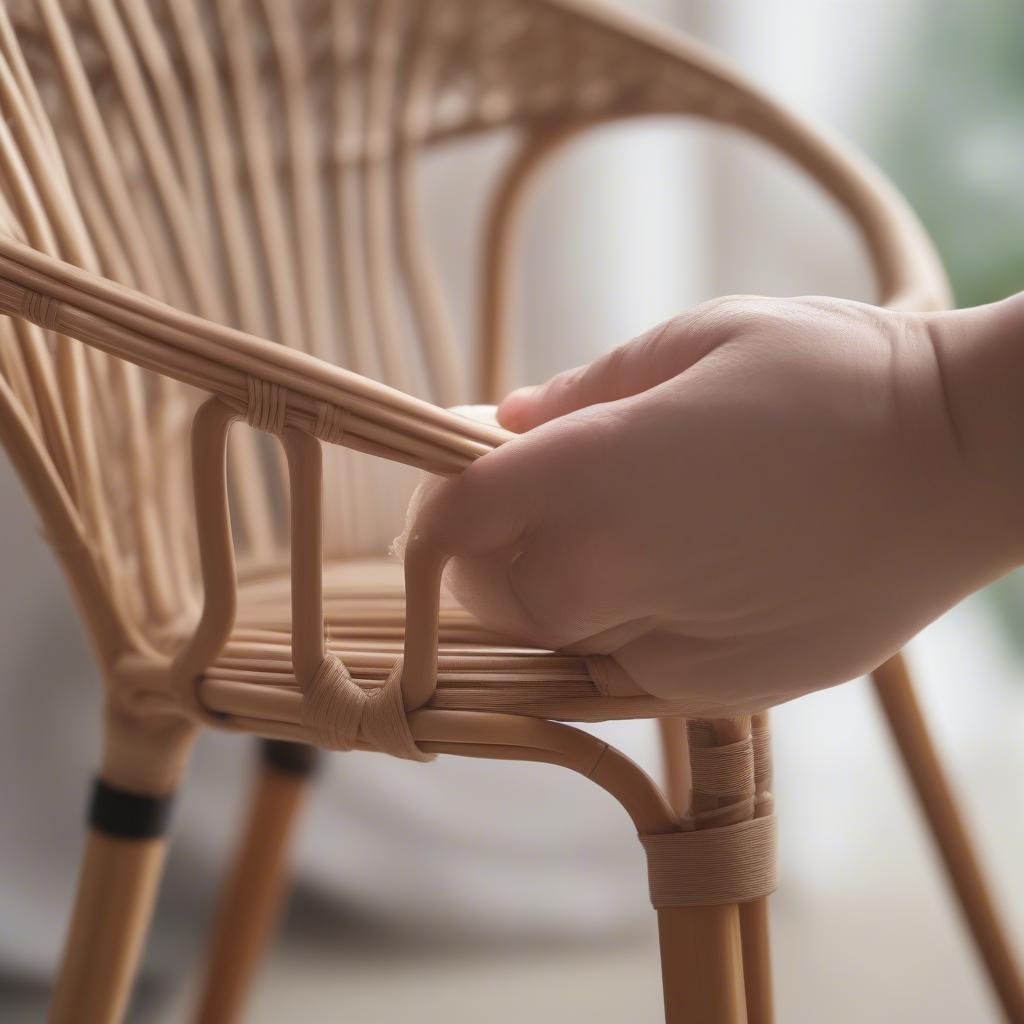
point(756, 499)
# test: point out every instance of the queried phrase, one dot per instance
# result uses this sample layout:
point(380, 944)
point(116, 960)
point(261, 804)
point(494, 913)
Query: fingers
point(648, 360)
point(542, 474)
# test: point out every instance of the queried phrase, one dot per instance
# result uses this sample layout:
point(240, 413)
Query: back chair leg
point(754, 931)
point(676, 762)
point(120, 872)
point(257, 882)
point(896, 694)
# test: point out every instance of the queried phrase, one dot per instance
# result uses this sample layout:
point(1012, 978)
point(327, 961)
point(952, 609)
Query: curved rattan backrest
point(253, 162)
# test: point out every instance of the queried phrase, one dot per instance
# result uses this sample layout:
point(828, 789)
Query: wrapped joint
point(331, 423)
point(722, 773)
point(267, 406)
point(341, 714)
point(712, 866)
point(40, 309)
point(725, 771)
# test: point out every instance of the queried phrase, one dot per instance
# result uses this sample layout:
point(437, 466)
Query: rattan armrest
point(274, 386)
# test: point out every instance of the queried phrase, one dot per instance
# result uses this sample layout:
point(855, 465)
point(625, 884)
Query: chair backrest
point(254, 162)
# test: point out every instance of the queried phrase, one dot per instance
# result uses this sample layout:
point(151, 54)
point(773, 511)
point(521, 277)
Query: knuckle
point(562, 387)
point(609, 368)
point(733, 316)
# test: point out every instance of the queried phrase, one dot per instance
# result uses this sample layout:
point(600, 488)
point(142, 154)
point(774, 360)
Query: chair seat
point(478, 669)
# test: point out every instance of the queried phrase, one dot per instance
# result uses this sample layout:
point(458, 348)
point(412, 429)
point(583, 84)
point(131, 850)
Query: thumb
point(501, 508)
point(486, 507)
point(652, 358)
point(495, 501)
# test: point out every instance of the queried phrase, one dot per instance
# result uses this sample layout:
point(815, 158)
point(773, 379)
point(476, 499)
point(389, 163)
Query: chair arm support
point(414, 677)
point(210, 429)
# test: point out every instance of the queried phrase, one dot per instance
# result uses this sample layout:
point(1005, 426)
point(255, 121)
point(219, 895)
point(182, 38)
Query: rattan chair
point(183, 179)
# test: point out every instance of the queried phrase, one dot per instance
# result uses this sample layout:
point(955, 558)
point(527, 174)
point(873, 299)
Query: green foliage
point(950, 131)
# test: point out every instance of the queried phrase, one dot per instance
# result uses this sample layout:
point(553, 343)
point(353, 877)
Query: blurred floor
point(600, 985)
point(836, 960)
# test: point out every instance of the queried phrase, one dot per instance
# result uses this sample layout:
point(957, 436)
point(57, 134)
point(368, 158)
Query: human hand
point(753, 500)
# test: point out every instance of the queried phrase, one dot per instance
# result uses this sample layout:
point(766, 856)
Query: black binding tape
point(291, 758)
point(116, 812)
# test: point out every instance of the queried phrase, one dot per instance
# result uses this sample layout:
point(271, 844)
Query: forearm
point(980, 353)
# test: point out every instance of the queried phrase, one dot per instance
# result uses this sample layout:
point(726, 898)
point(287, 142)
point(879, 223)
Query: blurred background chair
point(152, 193)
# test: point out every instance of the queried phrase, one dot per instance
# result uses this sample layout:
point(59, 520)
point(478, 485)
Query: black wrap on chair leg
point(290, 758)
point(124, 815)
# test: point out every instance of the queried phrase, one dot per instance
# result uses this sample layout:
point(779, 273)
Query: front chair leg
point(698, 871)
point(704, 973)
point(256, 884)
point(709, 880)
point(704, 949)
point(120, 872)
point(702, 965)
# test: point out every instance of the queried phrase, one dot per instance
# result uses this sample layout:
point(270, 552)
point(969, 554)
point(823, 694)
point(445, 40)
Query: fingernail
point(510, 412)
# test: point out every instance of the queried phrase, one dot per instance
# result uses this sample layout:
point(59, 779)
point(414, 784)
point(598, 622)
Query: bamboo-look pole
point(117, 889)
point(143, 762)
point(757, 964)
point(255, 889)
point(903, 713)
point(701, 948)
point(754, 930)
point(675, 756)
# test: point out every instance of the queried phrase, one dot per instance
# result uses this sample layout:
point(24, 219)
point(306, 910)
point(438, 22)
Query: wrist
point(980, 353)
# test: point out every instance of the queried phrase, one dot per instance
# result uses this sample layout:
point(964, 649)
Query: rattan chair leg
point(703, 962)
point(757, 966)
point(754, 929)
point(256, 885)
point(701, 952)
point(143, 761)
point(702, 965)
point(117, 888)
point(702, 947)
point(676, 758)
point(903, 713)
